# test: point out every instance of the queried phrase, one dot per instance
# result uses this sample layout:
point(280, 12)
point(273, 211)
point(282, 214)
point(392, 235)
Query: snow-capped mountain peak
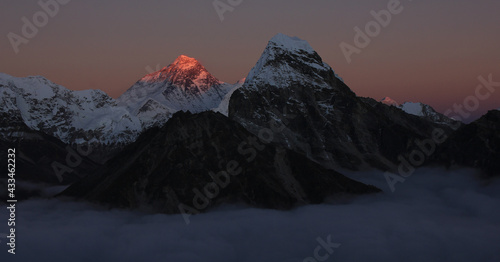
point(290, 43)
point(184, 72)
point(389, 101)
point(184, 85)
point(284, 61)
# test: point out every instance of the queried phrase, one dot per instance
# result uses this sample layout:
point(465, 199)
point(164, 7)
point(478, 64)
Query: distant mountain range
point(92, 116)
point(422, 110)
point(171, 142)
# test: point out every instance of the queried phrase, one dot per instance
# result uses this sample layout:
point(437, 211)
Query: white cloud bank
point(435, 215)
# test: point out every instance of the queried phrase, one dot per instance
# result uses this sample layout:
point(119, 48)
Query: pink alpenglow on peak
point(184, 85)
point(389, 101)
point(183, 72)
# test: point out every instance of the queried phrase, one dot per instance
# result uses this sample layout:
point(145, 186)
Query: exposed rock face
point(475, 145)
point(324, 120)
point(197, 161)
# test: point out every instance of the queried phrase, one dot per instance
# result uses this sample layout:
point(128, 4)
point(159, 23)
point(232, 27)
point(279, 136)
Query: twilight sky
point(432, 51)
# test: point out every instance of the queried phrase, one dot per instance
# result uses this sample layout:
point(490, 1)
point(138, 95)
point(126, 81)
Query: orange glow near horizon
point(436, 60)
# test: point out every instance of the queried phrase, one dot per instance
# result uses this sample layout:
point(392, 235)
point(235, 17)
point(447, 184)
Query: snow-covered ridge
point(93, 116)
point(412, 108)
point(417, 109)
point(72, 116)
point(290, 43)
point(271, 69)
point(421, 110)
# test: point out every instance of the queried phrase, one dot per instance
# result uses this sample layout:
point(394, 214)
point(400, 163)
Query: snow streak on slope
point(223, 107)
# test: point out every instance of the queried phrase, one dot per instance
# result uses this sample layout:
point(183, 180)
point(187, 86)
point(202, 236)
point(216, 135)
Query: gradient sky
point(432, 52)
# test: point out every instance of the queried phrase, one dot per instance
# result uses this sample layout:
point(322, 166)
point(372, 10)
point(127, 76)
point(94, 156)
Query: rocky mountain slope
point(279, 135)
point(474, 145)
point(197, 161)
point(291, 87)
point(43, 158)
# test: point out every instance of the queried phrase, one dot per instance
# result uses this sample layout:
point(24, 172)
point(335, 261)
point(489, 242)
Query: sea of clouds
point(435, 215)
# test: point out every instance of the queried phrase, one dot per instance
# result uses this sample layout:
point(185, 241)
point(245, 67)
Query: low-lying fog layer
point(435, 215)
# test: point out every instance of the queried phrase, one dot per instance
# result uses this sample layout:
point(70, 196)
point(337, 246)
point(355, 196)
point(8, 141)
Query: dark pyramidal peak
point(197, 161)
point(324, 120)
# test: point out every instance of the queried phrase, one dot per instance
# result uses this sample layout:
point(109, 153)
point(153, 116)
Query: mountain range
point(92, 117)
point(422, 110)
point(171, 142)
